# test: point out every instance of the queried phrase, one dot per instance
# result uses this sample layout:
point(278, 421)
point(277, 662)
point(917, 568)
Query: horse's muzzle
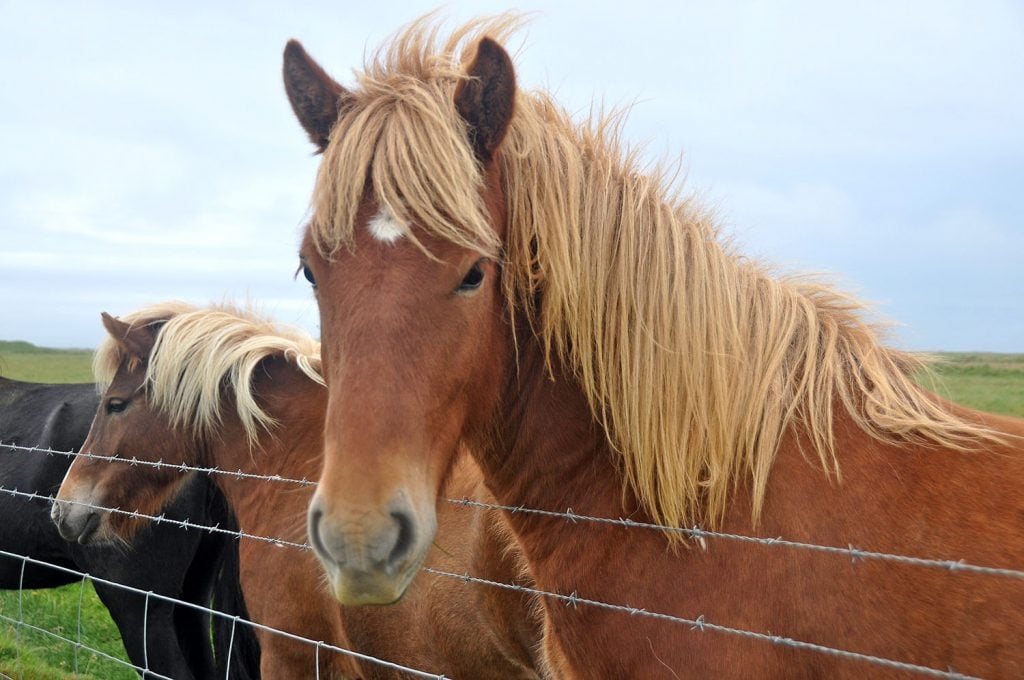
point(371, 559)
point(74, 522)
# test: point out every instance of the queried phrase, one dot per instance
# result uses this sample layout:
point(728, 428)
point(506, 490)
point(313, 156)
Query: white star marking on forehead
point(384, 227)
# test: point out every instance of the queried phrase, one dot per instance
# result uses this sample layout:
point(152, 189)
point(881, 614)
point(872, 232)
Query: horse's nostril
point(315, 515)
point(405, 540)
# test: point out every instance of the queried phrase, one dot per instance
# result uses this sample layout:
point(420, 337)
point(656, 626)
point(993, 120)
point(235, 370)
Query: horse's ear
point(486, 100)
point(136, 341)
point(315, 98)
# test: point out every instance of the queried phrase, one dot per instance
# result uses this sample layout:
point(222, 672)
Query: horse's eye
point(473, 278)
point(308, 273)
point(115, 405)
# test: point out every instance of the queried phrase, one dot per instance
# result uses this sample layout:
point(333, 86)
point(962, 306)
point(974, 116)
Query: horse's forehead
point(130, 376)
point(383, 240)
point(385, 227)
point(389, 240)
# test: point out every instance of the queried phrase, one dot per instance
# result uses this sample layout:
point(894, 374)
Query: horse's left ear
point(486, 99)
point(136, 341)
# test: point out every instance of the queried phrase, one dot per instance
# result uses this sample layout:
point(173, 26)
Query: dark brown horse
point(223, 388)
point(490, 273)
point(195, 567)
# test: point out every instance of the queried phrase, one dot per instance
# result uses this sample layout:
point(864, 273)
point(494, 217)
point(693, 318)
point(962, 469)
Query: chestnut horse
point(222, 388)
point(492, 274)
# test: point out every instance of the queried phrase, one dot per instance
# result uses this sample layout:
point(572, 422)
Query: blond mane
point(695, 360)
point(202, 354)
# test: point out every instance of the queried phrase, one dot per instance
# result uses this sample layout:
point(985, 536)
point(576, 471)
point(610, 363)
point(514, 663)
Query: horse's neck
point(547, 451)
point(292, 448)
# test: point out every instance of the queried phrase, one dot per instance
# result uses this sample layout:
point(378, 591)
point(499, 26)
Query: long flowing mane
point(696, 361)
point(203, 354)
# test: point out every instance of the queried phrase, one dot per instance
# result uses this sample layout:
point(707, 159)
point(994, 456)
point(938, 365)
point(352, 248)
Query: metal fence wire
point(697, 624)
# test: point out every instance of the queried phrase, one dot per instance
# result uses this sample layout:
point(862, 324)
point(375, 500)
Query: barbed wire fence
point(697, 624)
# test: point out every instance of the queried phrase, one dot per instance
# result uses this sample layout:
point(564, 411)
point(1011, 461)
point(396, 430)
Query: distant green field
point(23, 361)
point(990, 382)
point(984, 381)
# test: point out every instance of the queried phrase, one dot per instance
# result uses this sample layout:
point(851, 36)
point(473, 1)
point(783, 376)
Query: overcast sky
point(147, 151)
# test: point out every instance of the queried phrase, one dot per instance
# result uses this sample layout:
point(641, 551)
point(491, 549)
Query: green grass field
point(987, 382)
point(24, 361)
point(990, 382)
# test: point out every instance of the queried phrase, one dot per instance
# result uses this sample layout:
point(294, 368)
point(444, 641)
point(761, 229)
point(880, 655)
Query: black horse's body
point(191, 565)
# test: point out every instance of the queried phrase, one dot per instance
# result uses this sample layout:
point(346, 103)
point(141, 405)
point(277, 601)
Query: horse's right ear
point(486, 98)
point(136, 341)
point(315, 98)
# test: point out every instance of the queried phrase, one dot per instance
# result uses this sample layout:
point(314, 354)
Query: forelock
point(400, 143)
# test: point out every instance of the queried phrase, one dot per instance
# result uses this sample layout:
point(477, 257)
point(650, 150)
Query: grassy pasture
point(985, 381)
point(990, 382)
point(24, 361)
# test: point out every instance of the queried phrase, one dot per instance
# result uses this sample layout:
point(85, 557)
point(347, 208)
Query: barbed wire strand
point(191, 605)
point(853, 553)
point(181, 467)
point(698, 533)
point(695, 532)
point(161, 519)
point(701, 624)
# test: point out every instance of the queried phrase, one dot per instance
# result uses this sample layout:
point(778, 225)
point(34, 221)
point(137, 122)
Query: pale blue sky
point(148, 152)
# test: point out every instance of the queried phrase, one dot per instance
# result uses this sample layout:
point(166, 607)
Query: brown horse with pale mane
point(490, 272)
point(221, 387)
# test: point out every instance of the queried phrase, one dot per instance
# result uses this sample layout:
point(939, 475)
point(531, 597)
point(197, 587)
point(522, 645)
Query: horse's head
point(125, 426)
point(414, 329)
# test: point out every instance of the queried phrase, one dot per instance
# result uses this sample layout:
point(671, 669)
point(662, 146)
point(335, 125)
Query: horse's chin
point(90, 530)
point(363, 588)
